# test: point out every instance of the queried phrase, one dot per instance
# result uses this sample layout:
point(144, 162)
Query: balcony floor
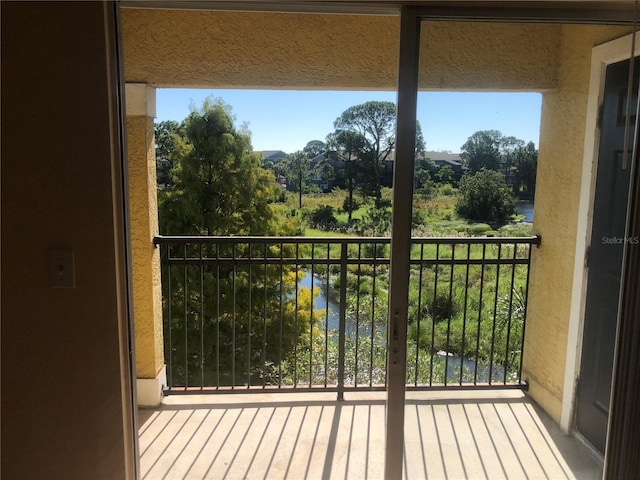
point(448, 435)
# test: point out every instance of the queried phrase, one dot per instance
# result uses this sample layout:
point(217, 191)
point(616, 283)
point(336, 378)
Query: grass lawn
point(433, 216)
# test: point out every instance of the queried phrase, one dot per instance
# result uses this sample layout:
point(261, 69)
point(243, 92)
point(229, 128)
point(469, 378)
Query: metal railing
point(251, 314)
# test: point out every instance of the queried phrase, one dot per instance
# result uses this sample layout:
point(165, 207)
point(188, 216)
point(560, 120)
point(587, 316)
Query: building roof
point(447, 157)
point(271, 155)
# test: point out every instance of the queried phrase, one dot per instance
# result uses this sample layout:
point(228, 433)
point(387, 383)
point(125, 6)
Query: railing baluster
point(233, 318)
point(280, 321)
point(433, 320)
point(249, 309)
point(217, 316)
point(313, 249)
point(169, 329)
point(186, 318)
point(326, 320)
point(511, 289)
point(264, 318)
point(419, 315)
point(357, 315)
point(464, 313)
point(495, 315)
point(384, 330)
point(450, 308)
point(479, 326)
point(201, 321)
point(526, 304)
point(373, 319)
point(343, 320)
point(295, 321)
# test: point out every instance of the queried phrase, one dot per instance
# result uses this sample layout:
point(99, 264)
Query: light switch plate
point(62, 269)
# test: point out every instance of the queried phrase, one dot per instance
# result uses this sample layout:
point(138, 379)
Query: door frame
point(601, 57)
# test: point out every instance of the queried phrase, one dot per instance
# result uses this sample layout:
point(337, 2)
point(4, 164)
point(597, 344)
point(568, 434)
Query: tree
point(425, 169)
point(314, 148)
point(484, 196)
point(445, 175)
point(508, 147)
point(219, 186)
point(296, 170)
point(525, 160)
point(482, 150)
point(349, 146)
point(220, 189)
point(166, 134)
point(374, 124)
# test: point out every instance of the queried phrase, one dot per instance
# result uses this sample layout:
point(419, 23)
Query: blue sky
point(286, 120)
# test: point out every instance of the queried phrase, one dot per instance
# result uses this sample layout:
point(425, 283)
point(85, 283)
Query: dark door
point(605, 258)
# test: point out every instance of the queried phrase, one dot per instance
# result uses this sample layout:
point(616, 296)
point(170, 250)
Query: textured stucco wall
point(166, 48)
point(556, 214)
point(143, 205)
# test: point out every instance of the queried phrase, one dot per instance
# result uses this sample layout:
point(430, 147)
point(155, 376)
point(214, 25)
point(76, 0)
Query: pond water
point(454, 362)
point(526, 209)
point(320, 302)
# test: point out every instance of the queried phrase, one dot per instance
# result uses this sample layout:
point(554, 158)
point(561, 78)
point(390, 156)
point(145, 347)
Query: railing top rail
point(202, 239)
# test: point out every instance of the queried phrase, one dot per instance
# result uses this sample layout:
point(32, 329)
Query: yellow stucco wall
point(147, 297)
point(169, 48)
point(252, 50)
point(560, 162)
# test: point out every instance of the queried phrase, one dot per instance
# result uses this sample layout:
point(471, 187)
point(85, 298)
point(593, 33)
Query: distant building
point(442, 159)
point(326, 169)
point(271, 155)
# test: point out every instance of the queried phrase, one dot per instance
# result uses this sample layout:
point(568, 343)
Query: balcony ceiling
point(590, 11)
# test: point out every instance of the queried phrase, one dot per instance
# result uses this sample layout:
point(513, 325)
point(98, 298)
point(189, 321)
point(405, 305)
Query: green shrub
point(446, 189)
point(485, 197)
point(323, 217)
point(350, 206)
point(417, 218)
point(442, 307)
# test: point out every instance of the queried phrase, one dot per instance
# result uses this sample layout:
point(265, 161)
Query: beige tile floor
point(448, 435)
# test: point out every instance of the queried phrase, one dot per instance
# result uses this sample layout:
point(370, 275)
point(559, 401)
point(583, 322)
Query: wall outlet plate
point(62, 269)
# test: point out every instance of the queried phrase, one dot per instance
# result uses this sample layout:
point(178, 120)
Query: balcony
point(247, 319)
point(297, 313)
point(448, 434)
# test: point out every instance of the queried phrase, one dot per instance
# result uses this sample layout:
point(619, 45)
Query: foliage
point(367, 133)
point(219, 188)
point(349, 205)
point(442, 307)
point(375, 223)
point(482, 151)
point(295, 168)
point(323, 217)
point(485, 197)
point(489, 149)
point(445, 175)
point(349, 146)
point(167, 136)
point(425, 171)
point(525, 161)
point(446, 189)
point(314, 148)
